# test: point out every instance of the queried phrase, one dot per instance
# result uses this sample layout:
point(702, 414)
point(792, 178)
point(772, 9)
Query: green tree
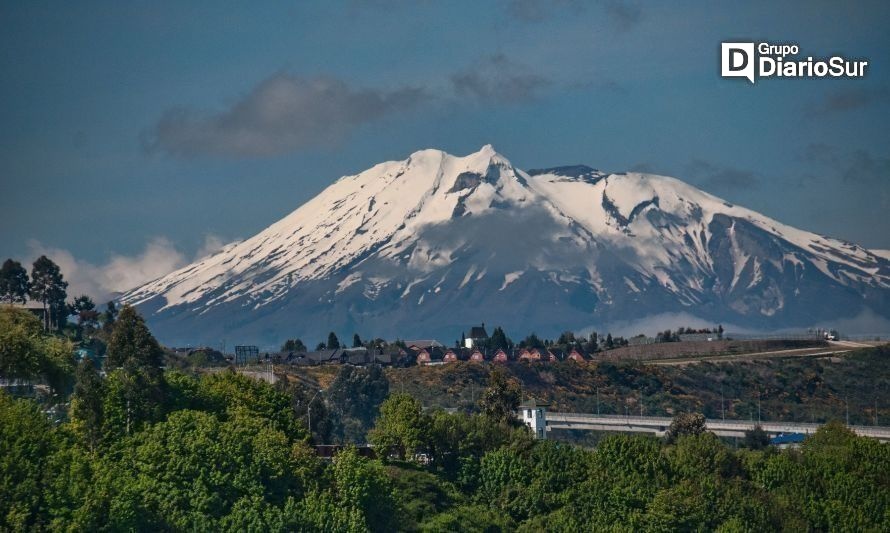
point(136, 383)
point(685, 424)
point(26, 442)
point(501, 399)
point(354, 398)
point(48, 287)
point(87, 403)
point(27, 353)
point(228, 394)
point(532, 341)
point(57, 364)
point(109, 316)
point(309, 403)
point(756, 438)
point(131, 340)
point(364, 487)
point(20, 344)
point(402, 425)
point(701, 455)
point(499, 340)
point(293, 345)
point(14, 282)
point(87, 316)
point(333, 341)
point(356, 341)
point(194, 471)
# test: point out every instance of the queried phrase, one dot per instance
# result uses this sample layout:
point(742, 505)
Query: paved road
point(835, 348)
point(658, 424)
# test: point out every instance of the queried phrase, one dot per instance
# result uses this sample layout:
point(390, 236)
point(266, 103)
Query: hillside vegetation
point(144, 448)
point(810, 389)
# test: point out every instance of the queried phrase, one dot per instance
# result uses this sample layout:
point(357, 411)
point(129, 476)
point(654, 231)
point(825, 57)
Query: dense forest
point(141, 448)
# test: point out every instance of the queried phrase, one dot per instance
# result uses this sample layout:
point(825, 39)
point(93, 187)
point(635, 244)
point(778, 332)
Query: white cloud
point(282, 114)
point(119, 273)
point(650, 325)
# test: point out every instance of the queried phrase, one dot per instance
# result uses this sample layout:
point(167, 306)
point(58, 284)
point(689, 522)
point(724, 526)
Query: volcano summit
point(428, 245)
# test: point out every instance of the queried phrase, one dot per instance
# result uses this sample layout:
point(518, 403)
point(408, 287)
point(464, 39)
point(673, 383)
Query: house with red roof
point(577, 356)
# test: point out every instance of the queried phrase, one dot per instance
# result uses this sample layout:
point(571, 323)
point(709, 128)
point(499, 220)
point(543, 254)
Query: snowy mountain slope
point(434, 242)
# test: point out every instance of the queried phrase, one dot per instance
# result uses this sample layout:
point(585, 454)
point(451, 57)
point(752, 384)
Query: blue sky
point(136, 135)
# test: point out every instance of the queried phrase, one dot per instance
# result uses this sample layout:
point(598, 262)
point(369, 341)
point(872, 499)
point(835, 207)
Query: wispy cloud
point(119, 273)
point(499, 79)
point(539, 10)
point(857, 166)
point(623, 14)
point(281, 114)
point(709, 174)
point(848, 99)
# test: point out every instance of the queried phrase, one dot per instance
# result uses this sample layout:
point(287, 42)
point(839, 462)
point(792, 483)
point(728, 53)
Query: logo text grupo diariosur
point(739, 60)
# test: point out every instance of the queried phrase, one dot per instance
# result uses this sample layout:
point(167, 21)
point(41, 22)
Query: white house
point(477, 337)
point(534, 415)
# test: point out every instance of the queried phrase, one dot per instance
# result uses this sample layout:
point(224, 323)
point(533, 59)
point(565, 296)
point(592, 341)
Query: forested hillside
point(804, 389)
point(143, 449)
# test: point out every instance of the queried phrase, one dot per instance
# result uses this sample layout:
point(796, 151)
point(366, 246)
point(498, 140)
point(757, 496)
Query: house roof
point(788, 438)
point(435, 353)
point(531, 403)
point(478, 332)
point(425, 343)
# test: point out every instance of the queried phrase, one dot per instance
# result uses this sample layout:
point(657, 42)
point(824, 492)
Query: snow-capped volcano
point(428, 245)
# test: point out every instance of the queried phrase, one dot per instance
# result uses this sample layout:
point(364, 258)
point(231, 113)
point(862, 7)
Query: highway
point(724, 428)
point(834, 348)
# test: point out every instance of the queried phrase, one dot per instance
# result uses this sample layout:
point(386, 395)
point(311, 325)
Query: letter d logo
point(737, 60)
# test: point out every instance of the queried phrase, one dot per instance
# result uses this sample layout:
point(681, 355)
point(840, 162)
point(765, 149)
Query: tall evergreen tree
point(135, 380)
point(14, 282)
point(87, 404)
point(333, 341)
point(356, 341)
point(131, 340)
point(48, 287)
point(499, 339)
point(87, 316)
point(293, 345)
point(109, 316)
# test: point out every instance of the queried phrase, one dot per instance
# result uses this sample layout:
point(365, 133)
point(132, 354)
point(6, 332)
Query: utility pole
point(597, 401)
point(641, 403)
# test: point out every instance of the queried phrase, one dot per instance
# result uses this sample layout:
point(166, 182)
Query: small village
point(477, 346)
